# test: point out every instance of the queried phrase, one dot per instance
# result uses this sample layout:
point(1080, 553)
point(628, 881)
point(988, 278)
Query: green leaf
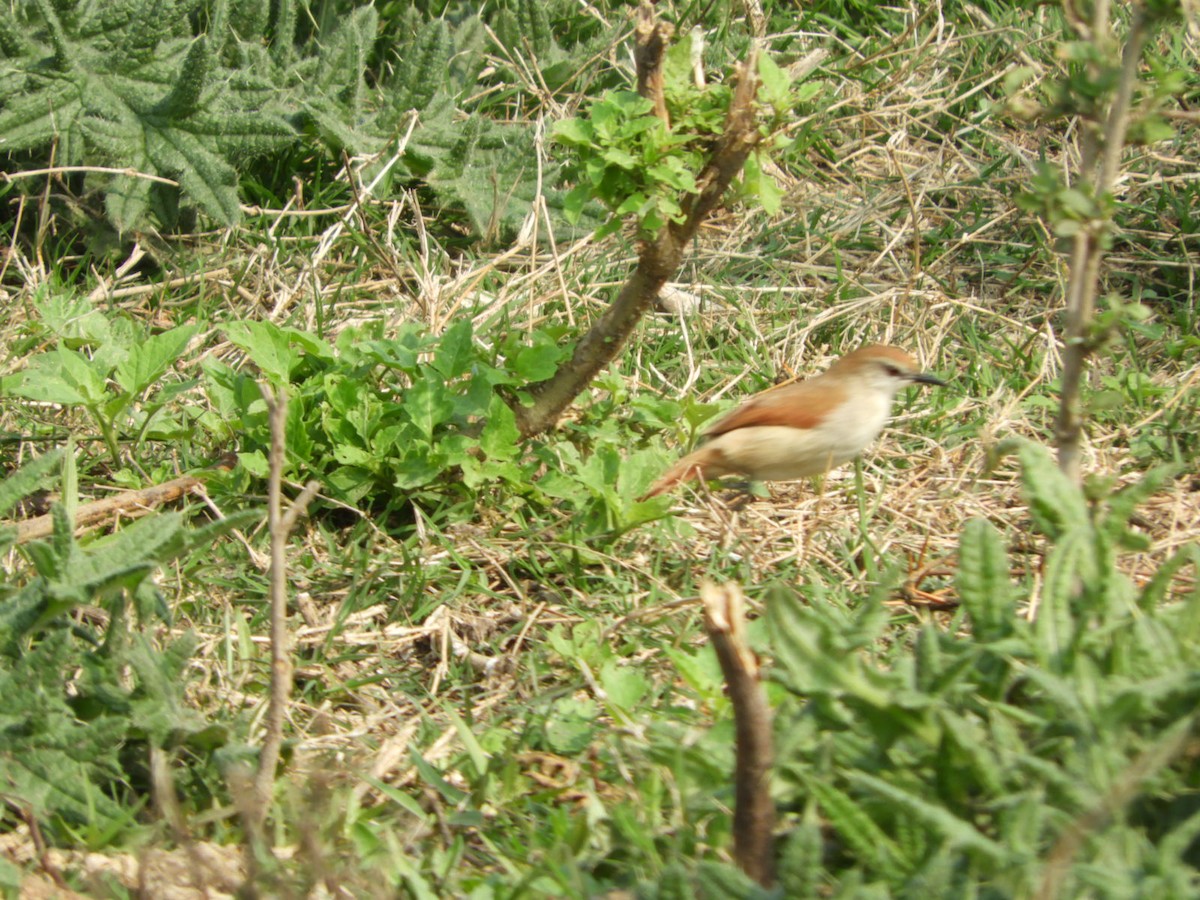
point(570, 724)
point(428, 404)
point(624, 687)
point(128, 198)
point(268, 346)
point(956, 831)
point(32, 476)
point(577, 132)
point(1069, 561)
point(456, 350)
point(983, 581)
point(776, 89)
point(61, 376)
point(539, 360)
point(1055, 502)
point(854, 825)
point(500, 438)
point(184, 99)
point(149, 360)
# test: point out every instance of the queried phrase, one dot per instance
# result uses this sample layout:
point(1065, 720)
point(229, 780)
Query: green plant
point(126, 85)
point(163, 108)
point(1043, 747)
point(84, 692)
point(110, 368)
point(370, 415)
point(640, 163)
point(383, 420)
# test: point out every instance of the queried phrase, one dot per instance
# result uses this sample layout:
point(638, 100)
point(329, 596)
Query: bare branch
point(130, 504)
point(652, 38)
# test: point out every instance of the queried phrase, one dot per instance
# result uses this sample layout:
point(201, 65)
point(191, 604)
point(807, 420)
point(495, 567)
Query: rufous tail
point(702, 463)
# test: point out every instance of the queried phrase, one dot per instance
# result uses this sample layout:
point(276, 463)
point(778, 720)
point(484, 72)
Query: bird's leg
point(740, 493)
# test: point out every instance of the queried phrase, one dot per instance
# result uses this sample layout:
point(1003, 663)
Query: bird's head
point(886, 369)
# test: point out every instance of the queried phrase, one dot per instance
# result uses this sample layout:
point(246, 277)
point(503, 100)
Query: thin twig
point(1087, 250)
point(278, 523)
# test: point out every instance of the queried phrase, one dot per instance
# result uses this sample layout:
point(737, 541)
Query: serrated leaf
point(855, 826)
point(1067, 563)
point(427, 404)
point(983, 581)
point(268, 346)
point(61, 376)
point(184, 98)
point(456, 350)
point(1055, 501)
point(149, 360)
point(500, 438)
point(127, 200)
point(32, 476)
point(957, 831)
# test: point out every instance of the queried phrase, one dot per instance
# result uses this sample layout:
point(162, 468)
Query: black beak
point(925, 378)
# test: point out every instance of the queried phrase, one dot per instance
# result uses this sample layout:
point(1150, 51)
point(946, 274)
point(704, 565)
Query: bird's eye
point(894, 371)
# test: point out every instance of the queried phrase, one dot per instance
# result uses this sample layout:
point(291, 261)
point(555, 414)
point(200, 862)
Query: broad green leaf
point(572, 132)
point(418, 467)
point(268, 346)
point(624, 687)
point(427, 404)
point(570, 724)
point(500, 438)
point(539, 360)
point(128, 198)
point(61, 376)
point(456, 350)
point(148, 361)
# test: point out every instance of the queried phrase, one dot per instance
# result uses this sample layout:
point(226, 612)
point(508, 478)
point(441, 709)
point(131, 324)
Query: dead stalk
point(754, 810)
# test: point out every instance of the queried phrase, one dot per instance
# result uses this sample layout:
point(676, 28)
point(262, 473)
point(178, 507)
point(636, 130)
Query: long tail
point(703, 463)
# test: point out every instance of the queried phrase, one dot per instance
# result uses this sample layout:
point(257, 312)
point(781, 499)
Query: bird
point(806, 428)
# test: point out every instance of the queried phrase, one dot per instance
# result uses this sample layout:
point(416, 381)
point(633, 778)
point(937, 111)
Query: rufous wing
point(801, 405)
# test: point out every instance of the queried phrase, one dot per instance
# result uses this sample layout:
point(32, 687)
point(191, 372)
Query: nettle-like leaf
point(124, 84)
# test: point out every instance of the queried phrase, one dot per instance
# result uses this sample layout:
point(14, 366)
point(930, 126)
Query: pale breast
point(780, 453)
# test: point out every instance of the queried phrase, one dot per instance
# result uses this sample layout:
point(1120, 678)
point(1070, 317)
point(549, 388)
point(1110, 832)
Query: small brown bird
point(806, 428)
